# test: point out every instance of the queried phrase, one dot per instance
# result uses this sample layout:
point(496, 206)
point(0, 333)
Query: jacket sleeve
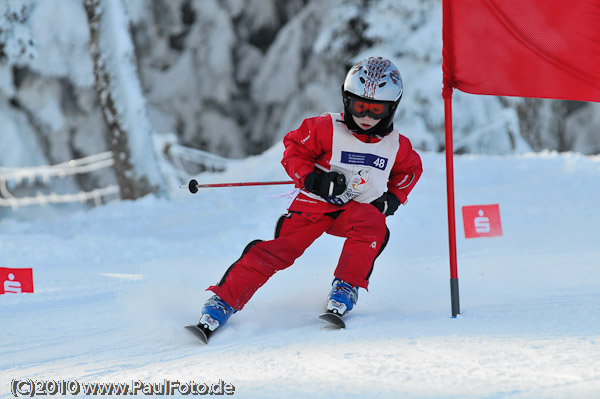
point(306, 146)
point(406, 171)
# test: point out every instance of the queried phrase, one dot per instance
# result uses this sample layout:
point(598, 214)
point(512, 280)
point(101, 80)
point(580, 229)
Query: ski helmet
point(374, 87)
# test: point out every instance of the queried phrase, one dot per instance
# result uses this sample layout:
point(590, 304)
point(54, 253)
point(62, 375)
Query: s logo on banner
point(15, 281)
point(482, 221)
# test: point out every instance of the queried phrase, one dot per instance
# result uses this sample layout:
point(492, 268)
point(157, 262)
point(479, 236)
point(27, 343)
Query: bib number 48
point(379, 163)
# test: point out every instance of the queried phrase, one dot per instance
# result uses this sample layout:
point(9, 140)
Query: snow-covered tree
point(121, 99)
point(16, 42)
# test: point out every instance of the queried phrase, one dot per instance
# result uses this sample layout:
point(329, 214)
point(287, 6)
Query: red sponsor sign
point(15, 281)
point(482, 221)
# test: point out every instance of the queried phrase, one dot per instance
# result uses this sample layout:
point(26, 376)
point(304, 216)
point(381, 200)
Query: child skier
point(351, 171)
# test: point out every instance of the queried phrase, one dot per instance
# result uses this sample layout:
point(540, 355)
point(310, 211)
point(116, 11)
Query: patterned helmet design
point(375, 78)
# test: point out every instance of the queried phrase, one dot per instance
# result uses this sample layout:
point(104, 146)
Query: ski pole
point(193, 185)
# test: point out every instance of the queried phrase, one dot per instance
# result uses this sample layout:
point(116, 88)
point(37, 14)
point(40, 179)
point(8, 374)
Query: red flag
point(525, 48)
point(482, 221)
point(15, 281)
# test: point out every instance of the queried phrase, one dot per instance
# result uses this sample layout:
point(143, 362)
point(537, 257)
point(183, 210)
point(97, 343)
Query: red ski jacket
point(311, 145)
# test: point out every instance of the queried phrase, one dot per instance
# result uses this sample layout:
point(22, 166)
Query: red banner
point(15, 281)
point(482, 221)
point(525, 48)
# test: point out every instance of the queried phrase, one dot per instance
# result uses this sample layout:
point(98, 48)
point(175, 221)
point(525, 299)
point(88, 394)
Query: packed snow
point(114, 286)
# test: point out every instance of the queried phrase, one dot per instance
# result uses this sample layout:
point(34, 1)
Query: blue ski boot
point(341, 300)
point(215, 313)
point(342, 297)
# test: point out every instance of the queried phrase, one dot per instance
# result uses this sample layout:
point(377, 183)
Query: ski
point(333, 318)
point(203, 334)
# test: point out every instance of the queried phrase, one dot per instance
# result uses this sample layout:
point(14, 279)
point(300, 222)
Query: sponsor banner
point(15, 281)
point(482, 221)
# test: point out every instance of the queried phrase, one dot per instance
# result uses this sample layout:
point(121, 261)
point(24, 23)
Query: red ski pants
point(362, 225)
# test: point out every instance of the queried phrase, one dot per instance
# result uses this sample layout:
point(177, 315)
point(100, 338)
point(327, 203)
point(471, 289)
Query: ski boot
point(215, 314)
point(342, 298)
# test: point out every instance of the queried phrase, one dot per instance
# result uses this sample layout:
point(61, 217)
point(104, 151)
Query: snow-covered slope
point(115, 285)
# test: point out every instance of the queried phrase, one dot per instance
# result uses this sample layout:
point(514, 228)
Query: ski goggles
point(360, 107)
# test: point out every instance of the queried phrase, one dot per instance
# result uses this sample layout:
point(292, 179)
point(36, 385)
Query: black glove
point(325, 185)
point(387, 204)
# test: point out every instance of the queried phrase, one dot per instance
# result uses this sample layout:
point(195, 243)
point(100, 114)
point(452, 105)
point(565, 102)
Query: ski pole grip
point(193, 186)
